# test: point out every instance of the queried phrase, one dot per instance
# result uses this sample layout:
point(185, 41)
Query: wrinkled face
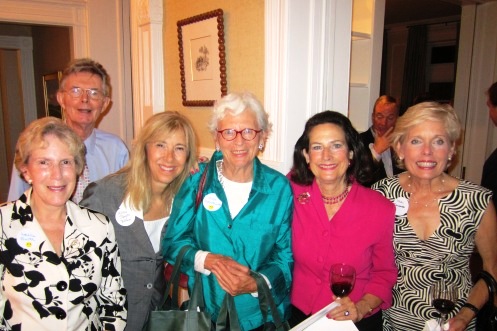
point(492, 111)
point(82, 110)
point(239, 153)
point(167, 157)
point(329, 155)
point(384, 117)
point(426, 150)
point(52, 171)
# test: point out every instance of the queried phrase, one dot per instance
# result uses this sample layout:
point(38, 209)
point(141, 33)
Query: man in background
point(84, 94)
point(385, 114)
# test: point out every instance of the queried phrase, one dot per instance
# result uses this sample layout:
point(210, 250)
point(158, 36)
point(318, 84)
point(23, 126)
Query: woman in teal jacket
point(243, 220)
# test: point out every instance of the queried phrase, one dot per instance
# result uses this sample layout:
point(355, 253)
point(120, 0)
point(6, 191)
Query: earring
point(217, 148)
point(261, 146)
point(449, 158)
point(30, 181)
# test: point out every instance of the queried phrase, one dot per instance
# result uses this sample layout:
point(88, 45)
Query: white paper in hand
point(432, 325)
point(319, 322)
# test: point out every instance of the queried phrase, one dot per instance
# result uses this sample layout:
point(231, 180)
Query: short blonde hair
point(33, 137)
point(422, 112)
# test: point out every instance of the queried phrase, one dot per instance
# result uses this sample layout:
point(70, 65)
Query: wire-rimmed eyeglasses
point(77, 92)
point(230, 134)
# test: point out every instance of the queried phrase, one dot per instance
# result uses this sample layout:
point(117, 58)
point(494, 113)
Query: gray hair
point(235, 104)
point(86, 65)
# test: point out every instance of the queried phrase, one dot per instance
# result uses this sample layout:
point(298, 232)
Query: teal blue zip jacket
point(258, 237)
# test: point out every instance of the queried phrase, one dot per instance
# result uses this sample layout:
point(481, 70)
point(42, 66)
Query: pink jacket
point(359, 234)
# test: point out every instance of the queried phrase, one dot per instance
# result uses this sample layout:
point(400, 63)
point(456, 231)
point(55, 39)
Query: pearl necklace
point(440, 189)
point(336, 199)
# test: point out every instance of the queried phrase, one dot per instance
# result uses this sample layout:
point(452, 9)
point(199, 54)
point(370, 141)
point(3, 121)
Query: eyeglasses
point(230, 134)
point(77, 92)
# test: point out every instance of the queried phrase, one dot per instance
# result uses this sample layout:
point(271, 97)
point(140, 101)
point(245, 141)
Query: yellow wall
point(244, 38)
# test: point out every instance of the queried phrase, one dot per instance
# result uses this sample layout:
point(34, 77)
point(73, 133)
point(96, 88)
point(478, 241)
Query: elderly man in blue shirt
point(83, 96)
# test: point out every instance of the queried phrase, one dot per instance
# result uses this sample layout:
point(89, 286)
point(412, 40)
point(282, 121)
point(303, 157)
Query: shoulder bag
point(168, 317)
point(486, 319)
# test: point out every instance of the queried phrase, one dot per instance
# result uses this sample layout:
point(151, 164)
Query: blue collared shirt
point(105, 154)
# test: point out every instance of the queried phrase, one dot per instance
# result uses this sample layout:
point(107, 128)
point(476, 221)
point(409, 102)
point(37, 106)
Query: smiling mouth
point(56, 188)
point(426, 164)
point(166, 168)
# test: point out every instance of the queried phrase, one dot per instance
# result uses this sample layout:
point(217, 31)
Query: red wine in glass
point(342, 279)
point(443, 306)
point(444, 298)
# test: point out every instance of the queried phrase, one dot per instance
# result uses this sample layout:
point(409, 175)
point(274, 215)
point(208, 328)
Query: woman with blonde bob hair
point(439, 220)
point(138, 200)
point(60, 266)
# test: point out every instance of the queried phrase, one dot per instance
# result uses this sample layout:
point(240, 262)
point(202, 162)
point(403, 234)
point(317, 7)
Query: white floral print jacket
point(80, 290)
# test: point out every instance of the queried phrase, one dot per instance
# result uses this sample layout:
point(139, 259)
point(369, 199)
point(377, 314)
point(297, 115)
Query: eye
point(316, 148)
point(160, 145)
point(337, 146)
point(439, 141)
point(415, 141)
point(43, 162)
point(67, 162)
point(180, 149)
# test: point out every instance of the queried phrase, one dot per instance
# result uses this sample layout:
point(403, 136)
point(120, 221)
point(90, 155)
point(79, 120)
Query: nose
point(84, 96)
point(427, 149)
point(238, 138)
point(326, 153)
point(169, 154)
point(56, 171)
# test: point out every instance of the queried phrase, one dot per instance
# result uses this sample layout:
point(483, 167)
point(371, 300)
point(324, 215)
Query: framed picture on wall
point(50, 88)
point(202, 58)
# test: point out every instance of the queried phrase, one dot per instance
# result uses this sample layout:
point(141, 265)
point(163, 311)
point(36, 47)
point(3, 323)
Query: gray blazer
point(142, 268)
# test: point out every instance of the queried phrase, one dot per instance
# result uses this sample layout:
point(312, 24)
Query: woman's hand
point(232, 276)
point(457, 323)
point(346, 311)
point(195, 168)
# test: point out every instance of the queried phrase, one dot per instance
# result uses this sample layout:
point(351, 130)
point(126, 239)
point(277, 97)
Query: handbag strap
point(200, 190)
point(266, 301)
point(491, 285)
point(228, 316)
point(174, 280)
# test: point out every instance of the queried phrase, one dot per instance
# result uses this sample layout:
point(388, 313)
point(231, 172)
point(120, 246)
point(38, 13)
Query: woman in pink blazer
point(337, 220)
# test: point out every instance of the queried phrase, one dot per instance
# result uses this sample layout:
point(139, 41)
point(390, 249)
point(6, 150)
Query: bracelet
point(472, 307)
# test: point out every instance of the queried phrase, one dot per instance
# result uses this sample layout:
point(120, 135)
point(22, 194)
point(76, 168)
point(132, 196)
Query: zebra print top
point(445, 253)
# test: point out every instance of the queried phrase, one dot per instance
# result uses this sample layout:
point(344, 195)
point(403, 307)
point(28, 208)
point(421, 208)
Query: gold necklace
point(440, 189)
point(336, 199)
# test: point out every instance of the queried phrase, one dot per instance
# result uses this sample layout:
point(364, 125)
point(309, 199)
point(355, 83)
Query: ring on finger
point(347, 313)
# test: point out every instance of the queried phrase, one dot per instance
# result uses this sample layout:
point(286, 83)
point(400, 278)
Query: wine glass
point(342, 279)
point(444, 298)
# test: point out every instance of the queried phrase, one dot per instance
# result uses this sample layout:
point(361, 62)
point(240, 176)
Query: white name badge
point(27, 238)
point(124, 216)
point(211, 202)
point(401, 206)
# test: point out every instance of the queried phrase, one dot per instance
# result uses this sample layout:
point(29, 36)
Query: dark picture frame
point(50, 88)
point(202, 58)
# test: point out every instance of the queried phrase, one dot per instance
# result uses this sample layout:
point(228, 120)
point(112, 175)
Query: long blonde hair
point(138, 176)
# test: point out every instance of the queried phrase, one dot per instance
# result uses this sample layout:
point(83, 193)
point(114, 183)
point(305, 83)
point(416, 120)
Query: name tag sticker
point(401, 206)
point(124, 216)
point(211, 202)
point(27, 238)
